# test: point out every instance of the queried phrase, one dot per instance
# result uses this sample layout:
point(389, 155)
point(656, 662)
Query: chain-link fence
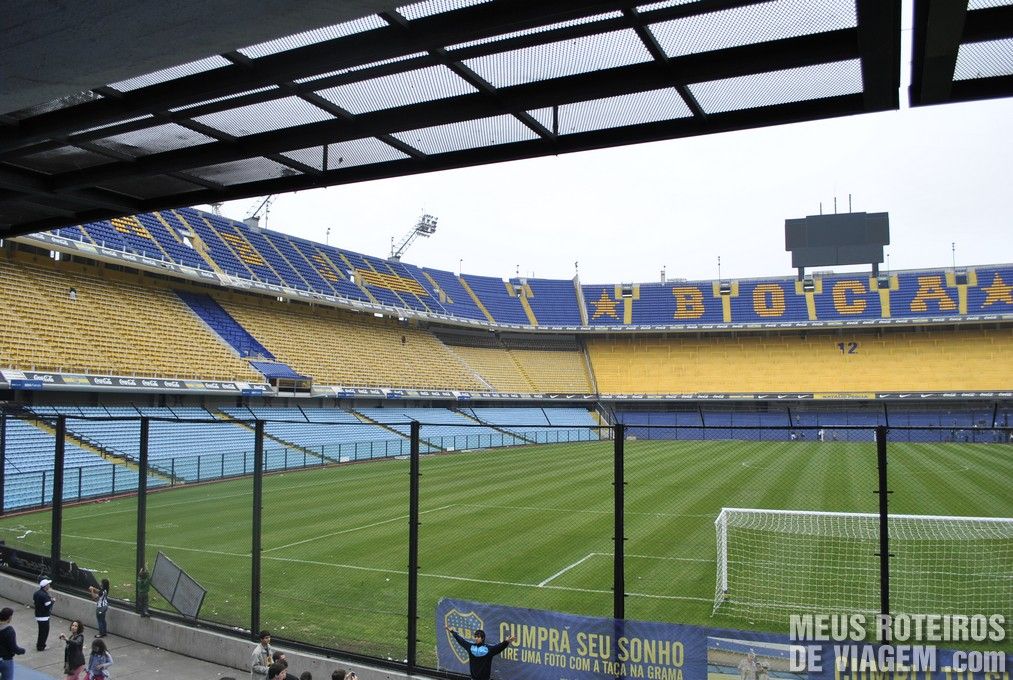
point(343, 532)
point(527, 525)
point(950, 526)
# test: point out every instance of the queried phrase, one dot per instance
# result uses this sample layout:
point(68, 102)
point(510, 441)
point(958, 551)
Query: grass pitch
point(529, 526)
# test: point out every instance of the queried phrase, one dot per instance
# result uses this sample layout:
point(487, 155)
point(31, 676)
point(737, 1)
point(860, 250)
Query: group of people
point(270, 664)
point(267, 662)
point(74, 663)
point(43, 599)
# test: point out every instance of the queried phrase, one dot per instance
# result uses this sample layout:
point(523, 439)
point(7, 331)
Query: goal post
point(773, 563)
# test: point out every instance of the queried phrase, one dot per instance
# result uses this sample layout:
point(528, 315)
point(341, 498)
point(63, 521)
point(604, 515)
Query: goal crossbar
point(863, 515)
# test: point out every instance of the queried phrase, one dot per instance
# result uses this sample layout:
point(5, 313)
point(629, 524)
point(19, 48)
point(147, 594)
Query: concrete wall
point(186, 640)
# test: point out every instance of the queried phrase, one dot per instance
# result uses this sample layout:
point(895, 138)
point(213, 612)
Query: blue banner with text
point(556, 646)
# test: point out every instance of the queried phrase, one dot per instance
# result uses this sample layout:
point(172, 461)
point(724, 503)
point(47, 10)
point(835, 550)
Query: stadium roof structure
point(440, 84)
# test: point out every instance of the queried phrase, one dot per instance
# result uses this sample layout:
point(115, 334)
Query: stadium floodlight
point(425, 227)
point(773, 563)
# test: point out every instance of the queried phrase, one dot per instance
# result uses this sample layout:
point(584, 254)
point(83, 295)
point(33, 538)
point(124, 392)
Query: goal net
point(773, 563)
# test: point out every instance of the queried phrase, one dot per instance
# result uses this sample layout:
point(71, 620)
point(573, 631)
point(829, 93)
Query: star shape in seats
point(999, 291)
point(604, 306)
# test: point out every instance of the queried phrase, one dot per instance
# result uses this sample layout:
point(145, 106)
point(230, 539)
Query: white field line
point(401, 572)
point(204, 551)
point(565, 569)
point(447, 577)
point(352, 529)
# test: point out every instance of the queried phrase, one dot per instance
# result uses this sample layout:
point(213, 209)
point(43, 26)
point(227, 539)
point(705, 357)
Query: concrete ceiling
point(54, 48)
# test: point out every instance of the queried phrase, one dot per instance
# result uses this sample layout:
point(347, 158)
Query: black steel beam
point(24, 184)
point(937, 44)
point(981, 88)
point(650, 132)
point(993, 23)
point(738, 61)
point(938, 27)
point(879, 44)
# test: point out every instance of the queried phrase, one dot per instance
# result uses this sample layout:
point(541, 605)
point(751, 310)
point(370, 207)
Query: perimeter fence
point(344, 536)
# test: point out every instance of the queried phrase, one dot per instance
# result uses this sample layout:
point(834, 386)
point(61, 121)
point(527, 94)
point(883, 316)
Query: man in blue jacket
point(480, 654)
point(43, 610)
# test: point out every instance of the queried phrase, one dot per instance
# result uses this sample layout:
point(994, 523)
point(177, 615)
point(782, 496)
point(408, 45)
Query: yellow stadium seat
point(926, 359)
point(345, 348)
point(109, 327)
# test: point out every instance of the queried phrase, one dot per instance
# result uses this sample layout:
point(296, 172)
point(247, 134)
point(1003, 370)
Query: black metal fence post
point(258, 492)
point(57, 528)
point(3, 457)
point(619, 566)
point(413, 547)
point(884, 529)
point(142, 507)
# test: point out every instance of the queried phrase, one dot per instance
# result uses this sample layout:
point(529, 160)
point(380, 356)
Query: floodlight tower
point(263, 208)
point(425, 227)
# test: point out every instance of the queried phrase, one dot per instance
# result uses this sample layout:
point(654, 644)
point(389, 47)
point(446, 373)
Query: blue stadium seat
point(463, 306)
point(222, 323)
point(29, 459)
point(493, 294)
point(553, 302)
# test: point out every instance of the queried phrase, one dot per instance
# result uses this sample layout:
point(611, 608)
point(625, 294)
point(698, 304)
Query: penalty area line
point(466, 579)
point(566, 569)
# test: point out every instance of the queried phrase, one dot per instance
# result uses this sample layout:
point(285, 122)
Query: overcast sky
point(942, 173)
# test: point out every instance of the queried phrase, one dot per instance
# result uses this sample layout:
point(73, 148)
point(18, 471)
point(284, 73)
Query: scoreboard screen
point(828, 240)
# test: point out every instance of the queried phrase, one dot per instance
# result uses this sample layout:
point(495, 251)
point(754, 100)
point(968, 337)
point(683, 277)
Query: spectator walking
point(101, 597)
point(99, 661)
point(277, 671)
point(73, 651)
point(480, 654)
point(43, 600)
point(8, 644)
point(262, 657)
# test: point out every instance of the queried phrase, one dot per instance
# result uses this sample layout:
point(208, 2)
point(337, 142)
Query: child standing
point(99, 660)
